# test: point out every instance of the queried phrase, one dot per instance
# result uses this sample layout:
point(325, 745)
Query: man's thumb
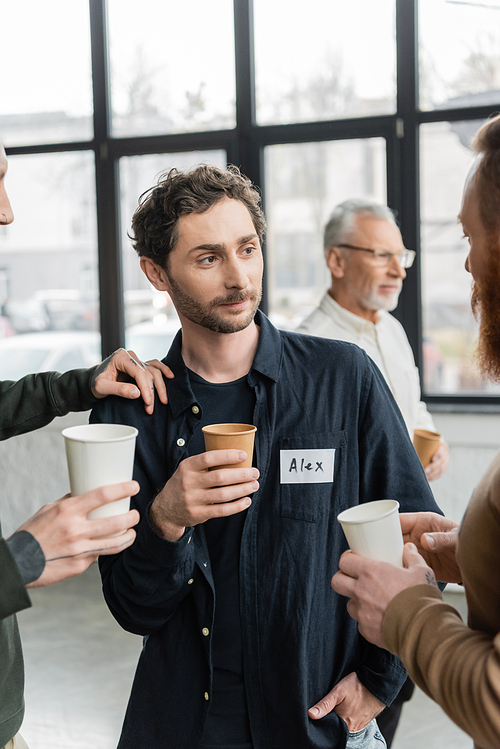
point(439, 541)
point(411, 557)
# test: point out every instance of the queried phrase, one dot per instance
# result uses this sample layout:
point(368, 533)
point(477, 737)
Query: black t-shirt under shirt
point(228, 725)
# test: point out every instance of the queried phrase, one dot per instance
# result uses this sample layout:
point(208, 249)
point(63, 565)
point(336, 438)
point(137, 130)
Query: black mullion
point(81, 145)
point(247, 156)
point(302, 132)
point(107, 190)
point(409, 308)
point(238, 141)
point(465, 403)
point(393, 167)
point(245, 151)
point(452, 115)
point(176, 143)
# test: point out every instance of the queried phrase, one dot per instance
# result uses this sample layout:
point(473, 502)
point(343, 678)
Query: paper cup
point(99, 455)
point(373, 530)
point(426, 444)
point(231, 437)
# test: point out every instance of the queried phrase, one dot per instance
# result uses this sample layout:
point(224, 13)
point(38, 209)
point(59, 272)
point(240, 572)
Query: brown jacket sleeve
point(456, 666)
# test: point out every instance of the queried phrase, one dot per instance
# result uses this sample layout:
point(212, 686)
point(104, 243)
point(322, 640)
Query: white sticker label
point(306, 466)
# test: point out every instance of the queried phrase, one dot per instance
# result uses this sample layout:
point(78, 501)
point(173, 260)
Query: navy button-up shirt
point(298, 639)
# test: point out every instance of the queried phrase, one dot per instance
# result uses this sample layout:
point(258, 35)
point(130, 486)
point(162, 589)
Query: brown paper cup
point(426, 444)
point(230, 437)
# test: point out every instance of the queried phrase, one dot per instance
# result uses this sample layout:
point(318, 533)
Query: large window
point(459, 53)
point(49, 300)
point(324, 60)
point(304, 181)
point(449, 329)
point(175, 73)
point(316, 102)
point(46, 75)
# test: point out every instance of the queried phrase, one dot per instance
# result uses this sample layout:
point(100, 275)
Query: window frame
point(245, 145)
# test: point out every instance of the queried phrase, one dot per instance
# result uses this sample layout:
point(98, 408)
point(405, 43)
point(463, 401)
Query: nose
point(6, 213)
point(467, 266)
point(236, 276)
point(395, 267)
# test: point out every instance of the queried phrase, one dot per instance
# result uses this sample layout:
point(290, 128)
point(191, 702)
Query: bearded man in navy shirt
point(246, 644)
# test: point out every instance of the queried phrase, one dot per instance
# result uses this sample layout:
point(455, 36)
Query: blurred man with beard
point(402, 609)
point(485, 302)
point(247, 647)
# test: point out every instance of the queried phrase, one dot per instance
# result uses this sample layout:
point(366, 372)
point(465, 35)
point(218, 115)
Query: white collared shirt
point(386, 343)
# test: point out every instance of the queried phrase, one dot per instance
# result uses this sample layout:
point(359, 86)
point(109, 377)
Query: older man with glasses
point(367, 259)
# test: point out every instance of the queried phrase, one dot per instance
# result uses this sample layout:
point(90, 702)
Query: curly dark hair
point(155, 222)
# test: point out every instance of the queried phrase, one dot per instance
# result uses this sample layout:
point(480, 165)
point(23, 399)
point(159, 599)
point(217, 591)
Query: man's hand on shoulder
point(195, 494)
point(110, 378)
point(352, 701)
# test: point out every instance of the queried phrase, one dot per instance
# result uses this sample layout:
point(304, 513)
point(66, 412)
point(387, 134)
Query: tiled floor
point(80, 665)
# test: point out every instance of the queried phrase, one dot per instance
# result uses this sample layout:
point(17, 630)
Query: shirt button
point(181, 442)
point(191, 581)
point(207, 697)
point(205, 631)
point(195, 409)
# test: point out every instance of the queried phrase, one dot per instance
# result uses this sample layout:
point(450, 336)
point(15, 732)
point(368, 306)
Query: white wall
point(474, 440)
point(33, 467)
point(33, 471)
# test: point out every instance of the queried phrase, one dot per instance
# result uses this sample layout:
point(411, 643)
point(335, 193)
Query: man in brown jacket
point(401, 609)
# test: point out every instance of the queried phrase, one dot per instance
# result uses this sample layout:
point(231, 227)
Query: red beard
point(485, 304)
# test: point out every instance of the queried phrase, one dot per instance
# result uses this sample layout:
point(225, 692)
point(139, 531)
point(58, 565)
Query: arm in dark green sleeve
point(13, 594)
point(35, 400)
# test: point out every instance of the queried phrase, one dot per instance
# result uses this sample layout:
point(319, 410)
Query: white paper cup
point(99, 455)
point(373, 530)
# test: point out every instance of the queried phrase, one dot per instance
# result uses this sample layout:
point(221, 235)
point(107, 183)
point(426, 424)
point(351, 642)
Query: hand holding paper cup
point(426, 444)
point(100, 455)
point(230, 437)
point(373, 530)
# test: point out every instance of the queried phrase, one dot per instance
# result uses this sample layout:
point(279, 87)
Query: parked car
point(54, 309)
point(45, 352)
point(142, 305)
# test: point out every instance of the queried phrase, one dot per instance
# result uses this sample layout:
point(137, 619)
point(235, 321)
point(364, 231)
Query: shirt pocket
point(313, 501)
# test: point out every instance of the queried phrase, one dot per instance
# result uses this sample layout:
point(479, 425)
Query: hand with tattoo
point(112, 377)
point(371, 586)
point(436, 539)
point(70, 542)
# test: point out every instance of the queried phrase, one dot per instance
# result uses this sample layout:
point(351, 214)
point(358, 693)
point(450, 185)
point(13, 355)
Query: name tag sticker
point(307, 466)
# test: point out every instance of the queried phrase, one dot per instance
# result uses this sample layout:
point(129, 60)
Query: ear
point(155, 274)
point(335, 261)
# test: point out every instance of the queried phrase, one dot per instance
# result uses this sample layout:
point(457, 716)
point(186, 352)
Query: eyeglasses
point(385, 257)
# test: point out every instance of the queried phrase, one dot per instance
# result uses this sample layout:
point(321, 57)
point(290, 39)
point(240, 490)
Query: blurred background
point(316, 105)
point(316, 102)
